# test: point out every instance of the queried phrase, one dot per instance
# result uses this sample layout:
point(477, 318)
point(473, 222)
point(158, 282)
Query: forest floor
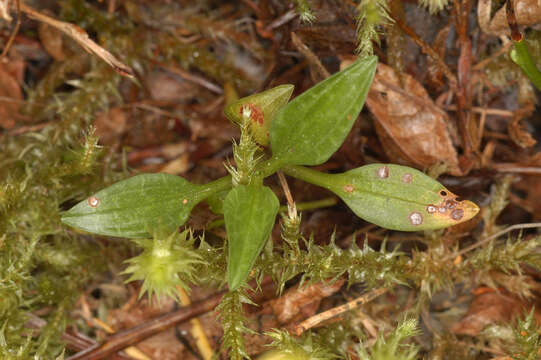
point(447, 99)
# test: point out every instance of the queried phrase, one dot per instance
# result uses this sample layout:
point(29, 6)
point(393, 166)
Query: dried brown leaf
point(51, 39)
point(109, 125)
point(299, 303)
point(492, 307)
point(411, 128)
point(10, 98)
point(519, 135)
point(528, 12)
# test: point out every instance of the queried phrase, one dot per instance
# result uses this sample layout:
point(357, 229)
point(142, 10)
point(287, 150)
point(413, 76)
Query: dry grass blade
point(81, 37)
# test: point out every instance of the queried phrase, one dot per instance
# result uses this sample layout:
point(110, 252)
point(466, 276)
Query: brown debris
point(411, 128)
point(299, 303)
point(490, 308)
point(528, 12)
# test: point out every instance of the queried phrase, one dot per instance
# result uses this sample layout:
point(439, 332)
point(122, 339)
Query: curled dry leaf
point(489, 308)
point(528, 12)
point(411, 128)
point(519, 135)
point(10, 95)
point(51, 39)
point(299, 303)
point(109, 125)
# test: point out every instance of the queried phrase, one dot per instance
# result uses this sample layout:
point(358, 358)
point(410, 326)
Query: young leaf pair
point(306, 131)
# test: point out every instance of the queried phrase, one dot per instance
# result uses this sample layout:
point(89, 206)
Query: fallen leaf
point(411, 128)
point(527, 12)
point(10, 98)
point(299, 303)
point(168, 87)
point(492, 307)
point(109, 125)
point(519, 135)
point(51, 39)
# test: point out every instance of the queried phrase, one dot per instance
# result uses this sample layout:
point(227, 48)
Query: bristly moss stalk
point(244, 152)
point(373, 14)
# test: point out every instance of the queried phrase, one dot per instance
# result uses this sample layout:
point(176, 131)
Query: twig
point(516, 169)
point(197, 330)
point(487, 111)
point(81, 37)
point(123, 339)
point(427, 49)
point(194, 79)
point(480, 65)
point(312, 59)
point(326, 315)
point(14, 32)
point(491, 237)
point(285, 187)
point(464, 66)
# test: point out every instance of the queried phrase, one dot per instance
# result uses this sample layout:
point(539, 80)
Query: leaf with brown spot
point(411, 128)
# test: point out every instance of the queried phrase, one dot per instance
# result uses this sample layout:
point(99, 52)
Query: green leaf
point(521, 56)
point(393, 196)
point(135, 207)
point(249, 212)
point(216, 202)
point(309, 129)
point(263, 107)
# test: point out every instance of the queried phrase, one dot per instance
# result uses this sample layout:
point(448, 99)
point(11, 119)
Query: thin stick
point(285, 187)
point(197, 330)
point(487, 111)
point(81, 37)
point(312, 58)
point(516, 169)
point(480, 65)
point(494, 236)
point(125, 338)
point(428, 50)
point(14, 32)
point(326, 315)
point(199, 80)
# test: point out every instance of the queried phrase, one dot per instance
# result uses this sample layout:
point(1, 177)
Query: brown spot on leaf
point(450, 204)
point(407, 178)
point(256, 114)
point(416, 218)
point(185, 201)
point(348, 188)
point(93, 201)
point(431, 209)
point(457, 214)
point(383, 172)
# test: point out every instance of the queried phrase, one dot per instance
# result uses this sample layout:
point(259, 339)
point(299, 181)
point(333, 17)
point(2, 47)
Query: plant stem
point(213, 187)
point(311, 176)
point(309, 205)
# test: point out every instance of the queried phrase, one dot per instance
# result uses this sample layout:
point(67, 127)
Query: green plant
point(306, 131)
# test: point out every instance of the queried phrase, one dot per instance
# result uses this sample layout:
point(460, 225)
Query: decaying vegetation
point(447, 99)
